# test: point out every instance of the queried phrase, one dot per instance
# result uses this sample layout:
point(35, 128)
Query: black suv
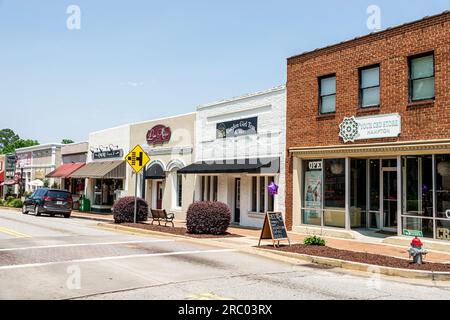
point(50, 201)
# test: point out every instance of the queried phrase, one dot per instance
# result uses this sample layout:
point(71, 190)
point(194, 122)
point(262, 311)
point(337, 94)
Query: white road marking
point(84, 245)
point(135, 256)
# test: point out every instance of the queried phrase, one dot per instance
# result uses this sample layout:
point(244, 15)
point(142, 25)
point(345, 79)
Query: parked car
point(49, 201)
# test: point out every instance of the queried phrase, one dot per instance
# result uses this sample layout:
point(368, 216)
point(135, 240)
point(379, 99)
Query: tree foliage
point(21, 143)
point(7, 137)
point(67, 141)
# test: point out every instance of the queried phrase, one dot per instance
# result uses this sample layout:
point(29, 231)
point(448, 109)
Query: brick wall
point(390, 49)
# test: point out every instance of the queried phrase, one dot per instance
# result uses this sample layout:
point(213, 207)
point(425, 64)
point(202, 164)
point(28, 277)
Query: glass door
point(389, 199)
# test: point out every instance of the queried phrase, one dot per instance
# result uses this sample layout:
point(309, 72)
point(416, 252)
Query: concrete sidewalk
point(251, 238)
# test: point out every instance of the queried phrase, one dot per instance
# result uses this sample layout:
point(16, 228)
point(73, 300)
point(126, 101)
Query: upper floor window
point(369, 86)
point(421, 77)
point(327, 94)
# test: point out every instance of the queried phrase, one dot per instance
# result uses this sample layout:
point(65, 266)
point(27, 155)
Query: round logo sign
point(158, 135)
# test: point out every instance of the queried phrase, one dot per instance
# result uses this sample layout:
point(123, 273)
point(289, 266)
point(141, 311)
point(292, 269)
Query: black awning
point(155, 171)
point(257, 165)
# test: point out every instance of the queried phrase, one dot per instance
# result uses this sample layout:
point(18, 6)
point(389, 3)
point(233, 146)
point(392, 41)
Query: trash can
point(85, 205)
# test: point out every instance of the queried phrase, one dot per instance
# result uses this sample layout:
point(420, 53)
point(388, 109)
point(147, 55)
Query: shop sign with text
point(159, 134)
point(101, 154)
point(372, 127)
point(236, 128)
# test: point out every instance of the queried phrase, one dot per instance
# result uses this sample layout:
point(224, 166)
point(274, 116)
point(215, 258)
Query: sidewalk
point(252, 237)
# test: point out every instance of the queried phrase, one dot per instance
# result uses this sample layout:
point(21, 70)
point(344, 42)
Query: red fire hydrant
point(416, 251)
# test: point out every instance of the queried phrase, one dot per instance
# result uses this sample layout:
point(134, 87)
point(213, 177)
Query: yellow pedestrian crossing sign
point(137, 159)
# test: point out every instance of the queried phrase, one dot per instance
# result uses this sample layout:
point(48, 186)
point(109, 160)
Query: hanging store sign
point(372, 127)
point(237, 128)
point(159, 134)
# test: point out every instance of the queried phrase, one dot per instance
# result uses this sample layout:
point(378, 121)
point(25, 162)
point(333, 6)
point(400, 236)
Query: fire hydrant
point(416, 251)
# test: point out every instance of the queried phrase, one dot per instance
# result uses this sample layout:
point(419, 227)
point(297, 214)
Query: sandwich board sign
point(274, 229)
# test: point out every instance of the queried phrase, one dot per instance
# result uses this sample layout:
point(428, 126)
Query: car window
point(38, 193)
point(59, 194)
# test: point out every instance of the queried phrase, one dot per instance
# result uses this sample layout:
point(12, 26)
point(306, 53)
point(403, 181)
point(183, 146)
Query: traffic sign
point(137, 159)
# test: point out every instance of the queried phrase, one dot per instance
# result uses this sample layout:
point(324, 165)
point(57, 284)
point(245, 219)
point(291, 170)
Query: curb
point(90, 218)
point(139, 231)
point(355, 266)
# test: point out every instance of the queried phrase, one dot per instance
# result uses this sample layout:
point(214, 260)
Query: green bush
point(314, 241)
point(2, 202)
point(16, 203)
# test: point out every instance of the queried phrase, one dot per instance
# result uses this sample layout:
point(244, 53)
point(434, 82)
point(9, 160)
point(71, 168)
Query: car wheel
point(67, 216)
point(36, 211)
point(24, 209)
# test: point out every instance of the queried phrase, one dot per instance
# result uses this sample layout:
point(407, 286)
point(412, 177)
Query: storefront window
point(312, 206)
point(260, 194)
point(270, 198)
point(179, 190)
point(106, 191)
point(443, 186)
point(254, 194)
point(443, 229)
point(358, 193)
point(418, 186)
point(334, 193)
point(419, 224)
point(209, 188)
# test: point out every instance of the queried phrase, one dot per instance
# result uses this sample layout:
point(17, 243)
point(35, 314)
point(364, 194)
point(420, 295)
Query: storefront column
point(348, 224)
point(296, 191)
point(399, 195)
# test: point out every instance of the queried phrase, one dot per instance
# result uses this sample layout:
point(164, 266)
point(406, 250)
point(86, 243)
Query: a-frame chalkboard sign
point(274, 229)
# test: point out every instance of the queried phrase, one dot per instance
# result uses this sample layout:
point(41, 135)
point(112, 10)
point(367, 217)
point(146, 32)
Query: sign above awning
point(65, 170)
point(102, 170)
point(256, 165)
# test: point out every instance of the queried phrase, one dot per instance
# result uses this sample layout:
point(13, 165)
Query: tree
point(7, 137)
point(67, 141)
point(21, 143)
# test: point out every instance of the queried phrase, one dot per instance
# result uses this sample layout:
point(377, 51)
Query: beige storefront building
point(169, 142)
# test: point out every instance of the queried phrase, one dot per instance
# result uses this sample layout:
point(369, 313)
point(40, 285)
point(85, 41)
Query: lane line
point(85, 245)
point(135, 256)
point(14, 233)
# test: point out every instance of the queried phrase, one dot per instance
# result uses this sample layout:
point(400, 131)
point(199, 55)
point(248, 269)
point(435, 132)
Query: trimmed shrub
point(314, 241)
point(123, 210)
point(208, 218)
point(2, 202)
point(16, 203)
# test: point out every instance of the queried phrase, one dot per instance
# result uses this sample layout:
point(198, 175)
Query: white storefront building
point(240, 151)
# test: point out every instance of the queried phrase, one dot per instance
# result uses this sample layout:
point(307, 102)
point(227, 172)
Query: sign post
point(274, 229)
point(137, 159)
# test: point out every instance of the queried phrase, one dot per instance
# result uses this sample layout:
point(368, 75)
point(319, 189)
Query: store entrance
point(389, 199)
point(374, 195)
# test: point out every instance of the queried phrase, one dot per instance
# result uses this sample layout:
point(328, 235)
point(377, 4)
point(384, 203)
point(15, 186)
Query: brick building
point(368, 134)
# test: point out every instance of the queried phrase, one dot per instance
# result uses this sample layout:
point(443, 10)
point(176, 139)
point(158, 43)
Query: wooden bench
point(161, 215)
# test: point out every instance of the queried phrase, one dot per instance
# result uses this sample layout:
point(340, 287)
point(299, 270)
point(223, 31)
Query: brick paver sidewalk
point(344, 244)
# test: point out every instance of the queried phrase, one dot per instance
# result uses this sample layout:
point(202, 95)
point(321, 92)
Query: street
point(57, 258)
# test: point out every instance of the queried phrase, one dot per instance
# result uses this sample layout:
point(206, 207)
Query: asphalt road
point(56, 258)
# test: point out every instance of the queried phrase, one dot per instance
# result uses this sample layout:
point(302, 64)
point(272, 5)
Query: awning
point(257, 165)
point(65, 170)
point(155, 171)
point(36, 183)
point(9, 183)
point(102, 170)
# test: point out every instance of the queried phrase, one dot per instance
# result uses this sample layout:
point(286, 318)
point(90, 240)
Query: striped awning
point(102, 170)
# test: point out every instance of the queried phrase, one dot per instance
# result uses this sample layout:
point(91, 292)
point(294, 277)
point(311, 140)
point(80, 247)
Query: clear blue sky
point(137, 60)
